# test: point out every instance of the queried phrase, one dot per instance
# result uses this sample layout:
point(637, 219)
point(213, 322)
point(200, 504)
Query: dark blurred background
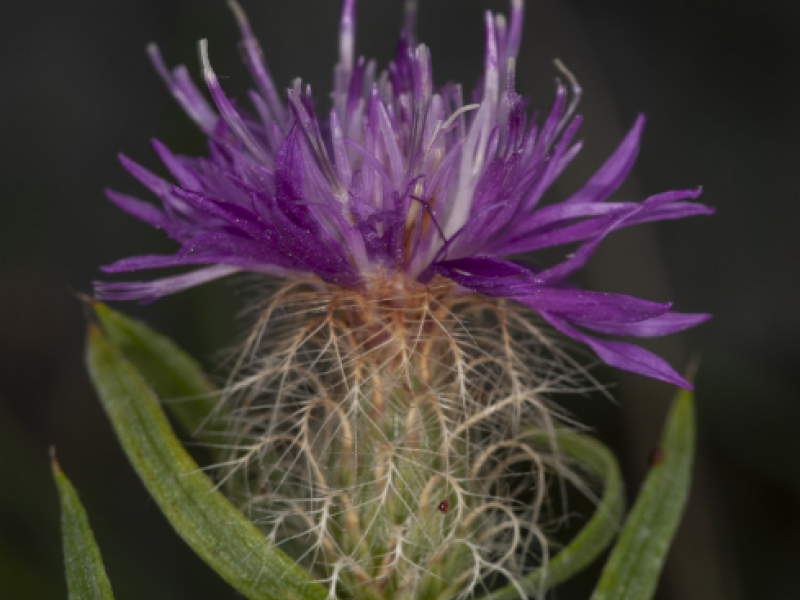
point(718, 82)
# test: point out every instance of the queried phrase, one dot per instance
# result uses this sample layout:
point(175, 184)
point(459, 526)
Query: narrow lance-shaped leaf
point(219, 533)
point(86, 576)
point(635, 564)
point(176, 377)
point(598, 532)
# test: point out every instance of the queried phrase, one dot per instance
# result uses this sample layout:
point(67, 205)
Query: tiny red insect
point(444, 506)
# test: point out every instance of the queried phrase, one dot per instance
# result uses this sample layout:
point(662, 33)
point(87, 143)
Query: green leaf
point(86, 576)
point(172, 373)
point(635, 564)
point(217, 532)
point(598, 532)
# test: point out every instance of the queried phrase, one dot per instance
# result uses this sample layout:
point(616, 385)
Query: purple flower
point(400, 178)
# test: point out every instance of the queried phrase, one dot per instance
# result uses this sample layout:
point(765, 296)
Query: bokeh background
point(719, 84)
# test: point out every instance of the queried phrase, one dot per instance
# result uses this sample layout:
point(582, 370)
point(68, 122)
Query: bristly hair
point(400, 178)
point(354, 417)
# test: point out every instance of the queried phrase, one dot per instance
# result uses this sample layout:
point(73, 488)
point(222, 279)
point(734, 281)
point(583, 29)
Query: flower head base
point(400, 178)
point(396, 441)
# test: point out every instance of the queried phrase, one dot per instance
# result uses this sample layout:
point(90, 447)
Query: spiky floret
point(354, 416)
point(401, 177)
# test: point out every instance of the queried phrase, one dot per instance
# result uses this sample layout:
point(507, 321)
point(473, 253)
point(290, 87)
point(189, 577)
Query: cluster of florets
point(401, 178)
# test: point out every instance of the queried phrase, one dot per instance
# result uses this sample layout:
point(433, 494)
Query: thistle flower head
point(388, 421)
point(400, 179)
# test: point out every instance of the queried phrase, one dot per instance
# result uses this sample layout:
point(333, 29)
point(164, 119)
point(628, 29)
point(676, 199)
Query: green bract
point(172, 373)
point(86, 576)
point(219, 533)
point(635, 564)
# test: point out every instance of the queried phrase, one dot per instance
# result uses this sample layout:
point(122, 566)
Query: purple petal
point(500, 278)
point(563, 270)
point(235, 215)
point(626, 357)
point(611, 175)
point(185, 92)
point(594, 307)
point(144, 211)
point(160, 261)
point(556, 213)
point(151, 290)
point(224, 244)
point(665, 324)
point(582, 230)
point(575, 232)
point(228, 112)
point(485, 266)
point(483, 274)
point(553, 118)
point(254, 59)
point(515, 22)
point(553, 165)
point(177, 166)
point(306, 121)
point(152, 182)
point(675, 210)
